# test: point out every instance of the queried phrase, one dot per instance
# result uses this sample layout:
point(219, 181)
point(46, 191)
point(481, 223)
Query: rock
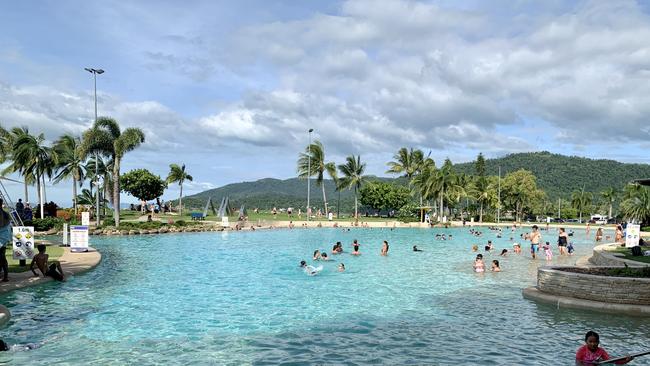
point(143, 232)
point(124, 232)
point(163, 230)
point(133, 232)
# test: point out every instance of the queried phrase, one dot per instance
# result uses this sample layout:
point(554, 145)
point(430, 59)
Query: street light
point(309, 173)
point(95, 72)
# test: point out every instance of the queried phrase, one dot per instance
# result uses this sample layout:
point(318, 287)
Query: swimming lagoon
point(240, 298)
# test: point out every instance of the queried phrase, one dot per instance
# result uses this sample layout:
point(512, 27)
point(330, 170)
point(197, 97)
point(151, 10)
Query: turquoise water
point(240, 298)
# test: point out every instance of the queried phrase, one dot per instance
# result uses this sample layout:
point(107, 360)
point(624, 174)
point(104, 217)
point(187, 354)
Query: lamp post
point(309, 174)
point(95, 72)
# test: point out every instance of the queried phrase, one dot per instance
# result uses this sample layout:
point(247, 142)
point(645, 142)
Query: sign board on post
point(65, 235)
point(85, 218)
point(23, 241)
point(79, 238)
point(632, 233)
point(225, 222)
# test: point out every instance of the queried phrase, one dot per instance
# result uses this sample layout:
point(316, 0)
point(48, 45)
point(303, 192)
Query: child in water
point(341, 267)
point(570, 249)
point(479, 266)
point(590, 353)
point(547, 251)
point(495, 266)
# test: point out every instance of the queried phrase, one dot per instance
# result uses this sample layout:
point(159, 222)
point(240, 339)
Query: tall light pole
point(95, 72)
point(499, 204)
point(309, 174)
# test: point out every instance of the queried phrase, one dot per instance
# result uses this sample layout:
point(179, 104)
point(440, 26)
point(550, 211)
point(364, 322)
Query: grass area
point(54, 251)
point(627, 252)
point(252, 217)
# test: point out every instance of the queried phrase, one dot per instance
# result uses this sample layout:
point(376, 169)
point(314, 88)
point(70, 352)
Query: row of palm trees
point(312, 163)
point(447, 188)
point(97, 154)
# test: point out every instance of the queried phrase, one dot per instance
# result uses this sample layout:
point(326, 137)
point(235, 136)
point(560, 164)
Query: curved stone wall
point(602, 257)
point(620, 290)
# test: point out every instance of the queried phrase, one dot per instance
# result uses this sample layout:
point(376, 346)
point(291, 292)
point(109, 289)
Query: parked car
point(558, 220)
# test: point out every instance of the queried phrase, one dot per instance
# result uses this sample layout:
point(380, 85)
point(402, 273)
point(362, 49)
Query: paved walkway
point(72, 263)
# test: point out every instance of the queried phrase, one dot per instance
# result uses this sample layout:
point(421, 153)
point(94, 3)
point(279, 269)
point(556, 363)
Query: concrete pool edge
point(72, 263)
point(532, 293)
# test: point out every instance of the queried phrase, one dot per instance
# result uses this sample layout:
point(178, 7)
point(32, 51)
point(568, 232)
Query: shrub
point(46, 223)
point(629, 272)
point(180, 223)
point(65, 214)
point(645, 228)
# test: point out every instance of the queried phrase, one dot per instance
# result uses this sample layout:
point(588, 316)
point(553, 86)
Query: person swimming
point(317, 255)
point(504, 252)
point(341, 267)
point(324, 257)
point(415, 249)
point(309, 269)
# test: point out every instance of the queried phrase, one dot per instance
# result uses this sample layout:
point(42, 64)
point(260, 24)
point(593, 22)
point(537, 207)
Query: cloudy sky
point(231, 88)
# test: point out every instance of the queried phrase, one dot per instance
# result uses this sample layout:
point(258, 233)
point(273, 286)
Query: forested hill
point(559, 175)
point(267, 193)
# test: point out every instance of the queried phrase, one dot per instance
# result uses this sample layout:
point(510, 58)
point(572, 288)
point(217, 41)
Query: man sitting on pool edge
point(53, 269)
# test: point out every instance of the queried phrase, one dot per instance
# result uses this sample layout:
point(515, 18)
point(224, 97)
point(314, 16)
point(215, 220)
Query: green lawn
point(54, 251)
point(252, 217)
point(628, 255)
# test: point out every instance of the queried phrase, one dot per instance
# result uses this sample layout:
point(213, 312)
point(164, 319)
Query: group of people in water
point(338, 249)
point(565, 247)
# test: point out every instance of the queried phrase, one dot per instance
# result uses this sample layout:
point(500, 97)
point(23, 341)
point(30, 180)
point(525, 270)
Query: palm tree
point(104, 173)
point(8, 140)
point(442, 181)
point(33, 158)
point(178, 174)
point(484, 193)
point(106, 138)
point(70, 164)
point(610, 195)
point(353, 177)
point(409, 163)
point(580, 200)
point(637, 206)
point(314, 158)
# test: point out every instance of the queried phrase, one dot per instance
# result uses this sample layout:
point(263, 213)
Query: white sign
point(79, 238)
point(65, 234)
point(85, 218)
point(632, 235)
point(23, 241)
point(224, 221)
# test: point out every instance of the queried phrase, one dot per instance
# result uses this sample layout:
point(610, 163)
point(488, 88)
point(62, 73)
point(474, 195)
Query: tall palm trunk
point(442, 207)
point(356, 213)
point(610, 211)
point(74, 194)
point(44, 191)
point(40, 196)
point(180, 201)
point(480, 216)
point(116, 191)
point(324, 198)
point(26, 191)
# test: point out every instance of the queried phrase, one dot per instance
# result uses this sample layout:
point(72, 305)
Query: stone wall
point(621, 290)
point(602, 257)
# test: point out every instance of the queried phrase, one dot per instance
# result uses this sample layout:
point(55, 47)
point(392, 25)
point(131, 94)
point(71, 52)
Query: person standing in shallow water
point(535, 237)
point(384, 248)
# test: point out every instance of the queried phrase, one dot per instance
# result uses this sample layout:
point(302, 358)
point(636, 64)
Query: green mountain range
point(557, 175)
